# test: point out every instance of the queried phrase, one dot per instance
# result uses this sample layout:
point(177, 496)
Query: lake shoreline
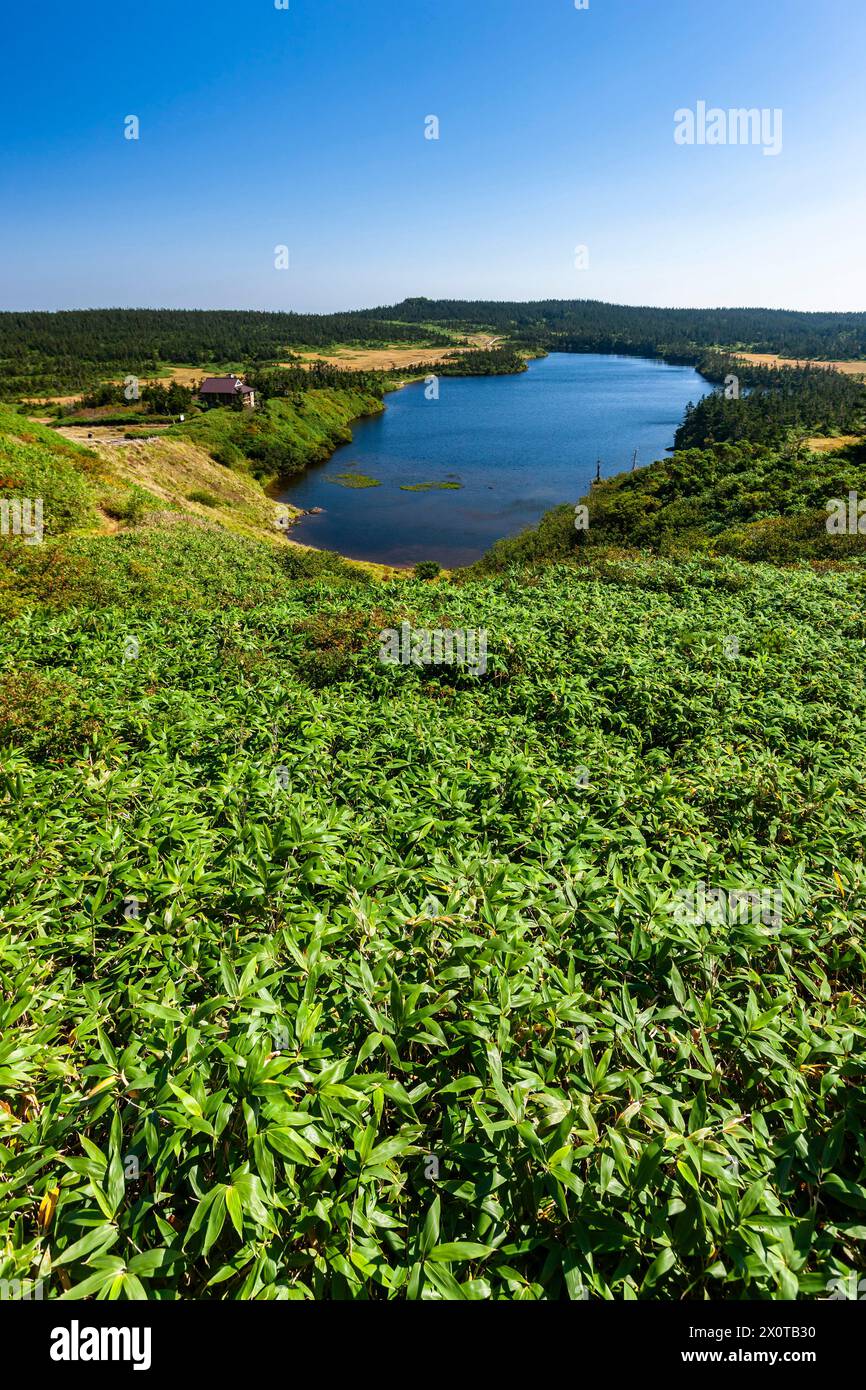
point(490, 459)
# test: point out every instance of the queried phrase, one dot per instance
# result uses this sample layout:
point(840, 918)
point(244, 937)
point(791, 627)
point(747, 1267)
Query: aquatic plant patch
point(430, 487)
point(352, 478)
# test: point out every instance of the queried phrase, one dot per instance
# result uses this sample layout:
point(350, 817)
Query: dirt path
point(105, 434)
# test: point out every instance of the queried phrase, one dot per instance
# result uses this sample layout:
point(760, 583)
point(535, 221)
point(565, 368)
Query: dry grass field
point(832, 444)
point(771, 359)
point(398, 358)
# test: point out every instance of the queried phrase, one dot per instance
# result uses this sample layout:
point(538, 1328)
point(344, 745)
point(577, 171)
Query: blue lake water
point(517, 445)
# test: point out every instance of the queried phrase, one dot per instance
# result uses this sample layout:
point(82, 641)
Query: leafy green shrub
point(427, 569)
point(43, 715)
point(182, 563)
point(130, 504)
point(34, 464)
point(297, 563)
point(116, 418)
point(283, 945)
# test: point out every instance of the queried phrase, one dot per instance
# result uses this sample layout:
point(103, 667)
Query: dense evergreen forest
point(771, 402)
point(43, 353)
point(484, 362)
point(53, 353)
point(587, 325)
point(295, 380)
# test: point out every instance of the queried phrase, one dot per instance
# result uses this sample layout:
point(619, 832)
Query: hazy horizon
point(381, 304)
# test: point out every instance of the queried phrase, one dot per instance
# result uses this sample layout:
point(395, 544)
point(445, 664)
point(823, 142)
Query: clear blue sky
point(305, 127)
